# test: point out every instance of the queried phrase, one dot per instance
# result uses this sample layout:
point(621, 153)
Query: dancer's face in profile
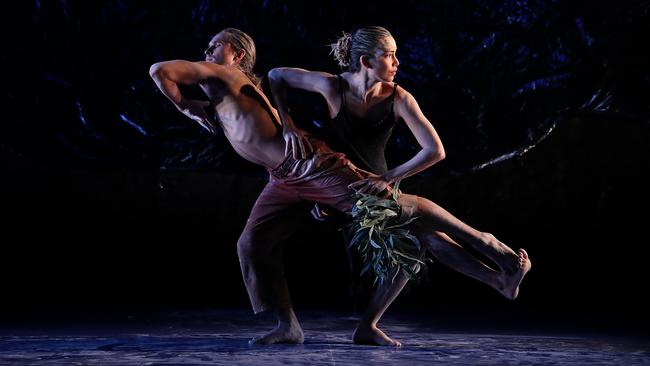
point(384, 62)
point(220, 51)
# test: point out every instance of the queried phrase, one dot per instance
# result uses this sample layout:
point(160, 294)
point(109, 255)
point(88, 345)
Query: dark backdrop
point(110, 197)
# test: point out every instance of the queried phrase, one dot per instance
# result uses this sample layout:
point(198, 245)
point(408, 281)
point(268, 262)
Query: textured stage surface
point(220, 338)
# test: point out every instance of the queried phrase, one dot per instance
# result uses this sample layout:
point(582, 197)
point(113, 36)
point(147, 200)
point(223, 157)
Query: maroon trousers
point(293, 188)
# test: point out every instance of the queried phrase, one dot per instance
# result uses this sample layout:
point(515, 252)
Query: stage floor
point(221, 338)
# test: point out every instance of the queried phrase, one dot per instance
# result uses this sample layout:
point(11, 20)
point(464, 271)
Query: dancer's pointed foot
point(283, 333)
point(511, 286)
point(371, 335)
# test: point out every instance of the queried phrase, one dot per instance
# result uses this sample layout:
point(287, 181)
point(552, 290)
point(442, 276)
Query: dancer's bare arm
point(314, 81)
point(431, 151)
point(169, 74)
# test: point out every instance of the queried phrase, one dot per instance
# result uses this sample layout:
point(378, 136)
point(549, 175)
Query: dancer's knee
point(250, 245)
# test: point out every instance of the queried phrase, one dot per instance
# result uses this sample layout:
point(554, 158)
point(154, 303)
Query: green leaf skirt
point(383, 240)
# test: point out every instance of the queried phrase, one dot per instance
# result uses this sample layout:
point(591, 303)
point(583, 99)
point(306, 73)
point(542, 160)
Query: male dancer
point(252, 126)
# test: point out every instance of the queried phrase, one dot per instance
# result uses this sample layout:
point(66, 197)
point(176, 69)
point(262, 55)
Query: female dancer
point(364, 105)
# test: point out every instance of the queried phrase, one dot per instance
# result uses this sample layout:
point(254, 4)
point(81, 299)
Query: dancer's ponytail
point(341, 49)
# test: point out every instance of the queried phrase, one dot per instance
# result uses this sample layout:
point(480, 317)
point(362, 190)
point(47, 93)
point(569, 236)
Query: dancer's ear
point(365, 61)
point(239, 56)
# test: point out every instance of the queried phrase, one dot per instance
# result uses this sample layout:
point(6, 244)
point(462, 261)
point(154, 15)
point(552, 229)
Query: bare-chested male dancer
point(252, 126)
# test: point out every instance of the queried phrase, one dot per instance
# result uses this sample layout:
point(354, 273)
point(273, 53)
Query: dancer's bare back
point(248, 120)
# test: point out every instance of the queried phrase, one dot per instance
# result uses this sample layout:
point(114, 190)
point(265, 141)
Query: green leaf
point(356, 239)
point(374, 244)
point(396, 192)
point(414, 259)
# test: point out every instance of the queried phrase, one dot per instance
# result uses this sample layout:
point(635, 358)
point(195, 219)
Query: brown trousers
point(293, 188)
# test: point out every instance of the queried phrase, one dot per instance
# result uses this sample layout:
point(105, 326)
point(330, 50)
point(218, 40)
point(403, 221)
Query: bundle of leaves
point(383, 240)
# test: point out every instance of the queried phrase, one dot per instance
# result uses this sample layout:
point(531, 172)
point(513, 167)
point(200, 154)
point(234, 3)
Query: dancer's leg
point(439, 219)
point(367, 331)
point(450, 253)
point(454, 256)
point(273, 219)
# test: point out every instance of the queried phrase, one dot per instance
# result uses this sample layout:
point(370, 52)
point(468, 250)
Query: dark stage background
point(111, 199)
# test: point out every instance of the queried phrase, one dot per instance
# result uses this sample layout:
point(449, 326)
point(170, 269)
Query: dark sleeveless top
point(363, 141)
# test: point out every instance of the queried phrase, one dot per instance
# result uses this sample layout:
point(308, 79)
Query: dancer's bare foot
point(511, 284)
point(371, 335)
point(283, 333)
